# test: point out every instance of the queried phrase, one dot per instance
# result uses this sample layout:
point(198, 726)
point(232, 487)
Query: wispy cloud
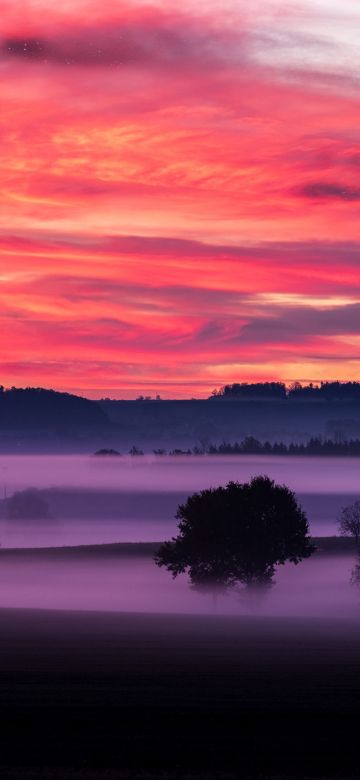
point(323, 190)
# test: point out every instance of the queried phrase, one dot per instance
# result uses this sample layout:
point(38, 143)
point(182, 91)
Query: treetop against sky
point(180, 193)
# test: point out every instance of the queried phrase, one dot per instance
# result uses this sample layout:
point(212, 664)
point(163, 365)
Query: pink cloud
point(162, 170)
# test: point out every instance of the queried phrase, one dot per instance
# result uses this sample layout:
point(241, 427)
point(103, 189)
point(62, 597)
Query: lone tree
point(237, 534)
point(349, 521)
point(27, 505)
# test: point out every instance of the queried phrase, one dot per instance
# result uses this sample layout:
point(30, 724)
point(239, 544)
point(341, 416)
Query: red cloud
point(220, 170)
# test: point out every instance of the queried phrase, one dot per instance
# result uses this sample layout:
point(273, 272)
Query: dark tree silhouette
point(329, 391)
point(355, 574)
point(262, 390)
point(237, 534)
point(104, 452)
point(349, 522)
point(135, 451)
point(252, 446)
point(27, 505)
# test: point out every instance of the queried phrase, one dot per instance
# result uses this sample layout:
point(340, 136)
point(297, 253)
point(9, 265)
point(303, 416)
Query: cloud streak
point(323, 190)
point(167, 39)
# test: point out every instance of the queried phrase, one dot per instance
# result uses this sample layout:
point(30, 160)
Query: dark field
point(251, 696)
point(324, 544)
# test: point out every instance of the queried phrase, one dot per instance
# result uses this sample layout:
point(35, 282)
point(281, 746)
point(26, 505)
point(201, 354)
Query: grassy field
point(181, 694)
point(325, 545)
point(176, 697)
point(40, 773)
point(78, 774)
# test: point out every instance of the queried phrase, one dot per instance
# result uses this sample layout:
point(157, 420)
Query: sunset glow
point(179, 194)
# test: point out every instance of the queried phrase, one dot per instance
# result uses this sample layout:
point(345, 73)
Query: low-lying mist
point(318, 587)
point(59, 532)
point(95, 500)
point(168, 473)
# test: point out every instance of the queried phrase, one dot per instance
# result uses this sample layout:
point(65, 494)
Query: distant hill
point(34, 415)
point(38, 420)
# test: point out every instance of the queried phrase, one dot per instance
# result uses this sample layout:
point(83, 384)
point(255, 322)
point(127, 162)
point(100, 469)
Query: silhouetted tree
point(355, 573)
point(135, 451)
point(237, 534)
point(325, 391)
point(107, 452)
point(349, 521)
point(251, 446)
point(27, 505)
point(261, 390)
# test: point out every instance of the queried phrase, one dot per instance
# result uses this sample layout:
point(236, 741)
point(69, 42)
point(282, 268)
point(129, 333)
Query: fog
point(319, 587)
point(172, 473)
point(131, 499)
point(96, 500)
point(74, 532)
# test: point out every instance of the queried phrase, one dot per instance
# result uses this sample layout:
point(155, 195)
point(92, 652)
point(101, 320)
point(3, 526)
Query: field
point(109, 694)
point(325, 545)
point(244, 695)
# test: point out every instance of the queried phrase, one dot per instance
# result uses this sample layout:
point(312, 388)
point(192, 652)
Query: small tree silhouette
point(27, 505)
point(355, 574)
point(349, 521)
point(237, 534)
point(135, 451)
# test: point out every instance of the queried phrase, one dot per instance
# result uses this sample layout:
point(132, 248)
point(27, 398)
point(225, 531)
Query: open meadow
point(108, 665)
point(248, 695)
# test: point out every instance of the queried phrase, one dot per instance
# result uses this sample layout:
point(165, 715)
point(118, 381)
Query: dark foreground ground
point(112, 695)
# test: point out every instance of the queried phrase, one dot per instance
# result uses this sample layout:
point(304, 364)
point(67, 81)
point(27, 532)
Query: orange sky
point(179, 194)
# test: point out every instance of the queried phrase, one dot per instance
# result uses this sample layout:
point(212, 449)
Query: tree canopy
point(237, 534)
point(349, 521)
point(324, 391)
point(27, 505)
point(244, 390)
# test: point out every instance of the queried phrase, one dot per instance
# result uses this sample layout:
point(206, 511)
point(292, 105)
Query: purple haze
point(147, 490)
point(135, 499)
point(319, 587)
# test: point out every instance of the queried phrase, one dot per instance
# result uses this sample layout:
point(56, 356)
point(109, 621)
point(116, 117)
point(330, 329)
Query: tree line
point(325, 391)
point(252, 446)
point(315, 446)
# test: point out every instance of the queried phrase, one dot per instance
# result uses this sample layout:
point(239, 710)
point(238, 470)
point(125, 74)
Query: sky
point(180, 194)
